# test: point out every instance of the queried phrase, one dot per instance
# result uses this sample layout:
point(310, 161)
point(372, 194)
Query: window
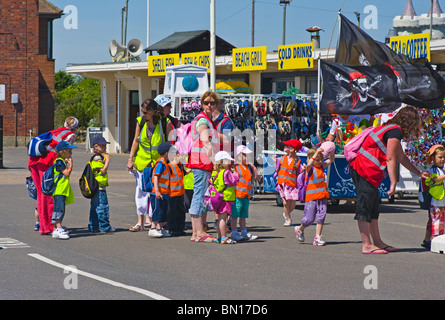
point(49, 49)
point(280, 85)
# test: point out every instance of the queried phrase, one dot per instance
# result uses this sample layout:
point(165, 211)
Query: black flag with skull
point(358, 89)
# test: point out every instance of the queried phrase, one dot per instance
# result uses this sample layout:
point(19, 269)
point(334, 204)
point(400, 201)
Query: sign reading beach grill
point(201, 58)
point(249, 59)
point(414, 46)
point(157, 64)
point(295, 56)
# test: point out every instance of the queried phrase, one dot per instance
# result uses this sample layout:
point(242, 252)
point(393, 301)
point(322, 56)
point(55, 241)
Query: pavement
point(126, 265)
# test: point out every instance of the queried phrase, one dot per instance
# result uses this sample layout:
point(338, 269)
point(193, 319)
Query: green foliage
point(78, 97)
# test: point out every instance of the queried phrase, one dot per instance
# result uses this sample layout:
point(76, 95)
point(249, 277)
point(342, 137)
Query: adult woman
point(205, 142)
point(149, 134)
point(38, 165)
point(381, 149)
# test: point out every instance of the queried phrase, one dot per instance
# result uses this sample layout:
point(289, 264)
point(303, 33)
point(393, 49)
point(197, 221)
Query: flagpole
point(318, 95)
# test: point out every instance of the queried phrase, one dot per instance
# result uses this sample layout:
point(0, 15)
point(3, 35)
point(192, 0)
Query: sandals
point(136, 227)
point(205, 238)
point(225, 240)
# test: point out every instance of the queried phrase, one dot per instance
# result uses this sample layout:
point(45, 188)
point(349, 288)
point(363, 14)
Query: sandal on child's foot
point(136, 227)
point(227, 240)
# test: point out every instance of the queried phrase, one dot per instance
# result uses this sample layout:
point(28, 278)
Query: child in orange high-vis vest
point(317, 195)
point(288, 169)
point(240, 209)
point(160, 193)
point(176, 204)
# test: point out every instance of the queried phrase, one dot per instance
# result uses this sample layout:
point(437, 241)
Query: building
point(126, 84)
point(26, 69)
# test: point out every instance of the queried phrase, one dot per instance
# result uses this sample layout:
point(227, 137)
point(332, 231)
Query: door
point(134, 113)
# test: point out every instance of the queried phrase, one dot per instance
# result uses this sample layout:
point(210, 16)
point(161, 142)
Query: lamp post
point(284, 4)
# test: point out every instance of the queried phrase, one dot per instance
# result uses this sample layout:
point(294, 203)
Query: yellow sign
point(295, 56)
point(249, 59)
point(201, 58)
point(157, 64)
point(414, 46)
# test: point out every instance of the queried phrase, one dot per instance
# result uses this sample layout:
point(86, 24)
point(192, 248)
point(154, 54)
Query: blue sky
point(99, 22)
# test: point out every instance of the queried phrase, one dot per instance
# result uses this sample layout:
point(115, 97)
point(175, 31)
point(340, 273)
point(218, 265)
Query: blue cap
point(62, 145)
point(163, 100)
point(164, 147)
point(99, 140)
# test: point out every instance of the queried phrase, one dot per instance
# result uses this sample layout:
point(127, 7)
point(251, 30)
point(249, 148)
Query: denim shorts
point(200, 186)
point(59, 208)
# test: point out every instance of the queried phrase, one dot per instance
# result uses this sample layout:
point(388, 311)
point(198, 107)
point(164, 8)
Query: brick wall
point(25, 70)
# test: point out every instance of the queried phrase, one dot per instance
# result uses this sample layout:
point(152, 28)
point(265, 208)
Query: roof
point(48, 9)
point(179, 41)
point(409, 10)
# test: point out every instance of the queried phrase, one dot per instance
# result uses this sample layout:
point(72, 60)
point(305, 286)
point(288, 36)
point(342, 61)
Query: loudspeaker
point(135, 48)
point(116, 48)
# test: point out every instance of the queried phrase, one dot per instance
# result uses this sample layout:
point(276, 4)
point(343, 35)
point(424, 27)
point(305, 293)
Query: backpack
point(87, 182)
point(353, 146)
point(37, 147)
point(147, 184)
point(424, 195)
point(32, 191)
point(213, 197)
point(49, 181)
point(302, 185)
point(184, 143)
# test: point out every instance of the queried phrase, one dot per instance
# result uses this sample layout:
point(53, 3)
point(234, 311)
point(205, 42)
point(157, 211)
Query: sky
point(99, 22)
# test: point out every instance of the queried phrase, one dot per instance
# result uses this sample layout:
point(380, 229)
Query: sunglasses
point(212, 103)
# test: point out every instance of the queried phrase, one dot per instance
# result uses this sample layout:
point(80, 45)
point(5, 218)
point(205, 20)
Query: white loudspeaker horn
point(135, 47)
point(116, 48)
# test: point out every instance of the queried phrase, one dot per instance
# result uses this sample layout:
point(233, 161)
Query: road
point(127, 265)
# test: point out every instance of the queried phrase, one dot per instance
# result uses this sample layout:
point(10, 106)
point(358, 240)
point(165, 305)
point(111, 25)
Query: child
point(288, 169)
point(436, 189)
point(224, 178)
point(160, 193)
point(99, 210)
point(242, 193)
point(316, 195)
point(176, 208)
point(63, 195)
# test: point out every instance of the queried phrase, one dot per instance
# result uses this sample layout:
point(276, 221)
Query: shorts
point(367, 206)
point(200, 186)
point(59, 208)
point(240, 208)
point(226, 206)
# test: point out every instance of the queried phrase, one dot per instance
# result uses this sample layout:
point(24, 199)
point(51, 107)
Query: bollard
point(1, 142)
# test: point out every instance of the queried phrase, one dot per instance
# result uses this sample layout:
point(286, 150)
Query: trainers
point(249, 236)
point(299, 234)
point(236, 236)
point(57, 234)
point(155, 233)
point(165, 233)
point(318, 241)
point(37, 226)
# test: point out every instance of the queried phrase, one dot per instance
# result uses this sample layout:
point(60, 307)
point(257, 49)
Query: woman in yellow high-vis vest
point(149, 134)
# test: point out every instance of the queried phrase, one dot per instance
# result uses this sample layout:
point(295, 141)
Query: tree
point(79, 97)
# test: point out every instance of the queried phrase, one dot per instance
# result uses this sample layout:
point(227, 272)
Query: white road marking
point(101, 279)
point(12, 243)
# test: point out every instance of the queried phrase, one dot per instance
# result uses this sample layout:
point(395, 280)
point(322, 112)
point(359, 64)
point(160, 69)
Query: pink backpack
point(353, 146)
point(184, 143)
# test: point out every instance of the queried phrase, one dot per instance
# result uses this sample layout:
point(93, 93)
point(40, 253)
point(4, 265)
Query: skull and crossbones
point(361, 89)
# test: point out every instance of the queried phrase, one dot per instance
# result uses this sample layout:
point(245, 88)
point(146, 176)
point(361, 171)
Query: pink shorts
point(226, 206)
point(287, 192)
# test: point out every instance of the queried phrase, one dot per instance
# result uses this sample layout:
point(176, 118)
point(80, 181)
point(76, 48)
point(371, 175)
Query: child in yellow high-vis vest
point(99, 209)
point(63, 194)
point(224, 179)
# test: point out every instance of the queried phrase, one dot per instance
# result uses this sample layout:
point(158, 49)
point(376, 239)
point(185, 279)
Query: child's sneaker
point(37, 226)
point(155, 233)
point(236, 236)
point(249, 236)
point(59, 234)
point(299, 234)
point(318, 241)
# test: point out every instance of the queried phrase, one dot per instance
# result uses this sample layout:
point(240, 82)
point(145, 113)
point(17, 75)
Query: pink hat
point(328, 148)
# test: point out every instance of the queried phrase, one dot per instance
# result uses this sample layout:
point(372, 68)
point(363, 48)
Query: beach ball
point(190, 83)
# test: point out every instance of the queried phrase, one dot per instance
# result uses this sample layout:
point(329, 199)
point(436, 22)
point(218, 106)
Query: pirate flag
point(418, 83)
point(358, 89)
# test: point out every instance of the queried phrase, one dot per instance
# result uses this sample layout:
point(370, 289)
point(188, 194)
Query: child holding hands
point(288, 170)
point(315, 206)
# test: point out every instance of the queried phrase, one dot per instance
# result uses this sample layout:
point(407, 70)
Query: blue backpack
point(147, 184)
point(37, 147)
point(49, 181)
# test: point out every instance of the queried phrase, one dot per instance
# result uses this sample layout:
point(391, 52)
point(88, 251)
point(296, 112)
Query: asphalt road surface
point(127, 265)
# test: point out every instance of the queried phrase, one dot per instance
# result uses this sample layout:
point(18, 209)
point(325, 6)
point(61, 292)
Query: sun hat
point(163, 100)
point(242, 149)
point(328, 148)
point(429, 158)
point(62, 145)
point(296, 144)
point(223, 155)
point(99, 140)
